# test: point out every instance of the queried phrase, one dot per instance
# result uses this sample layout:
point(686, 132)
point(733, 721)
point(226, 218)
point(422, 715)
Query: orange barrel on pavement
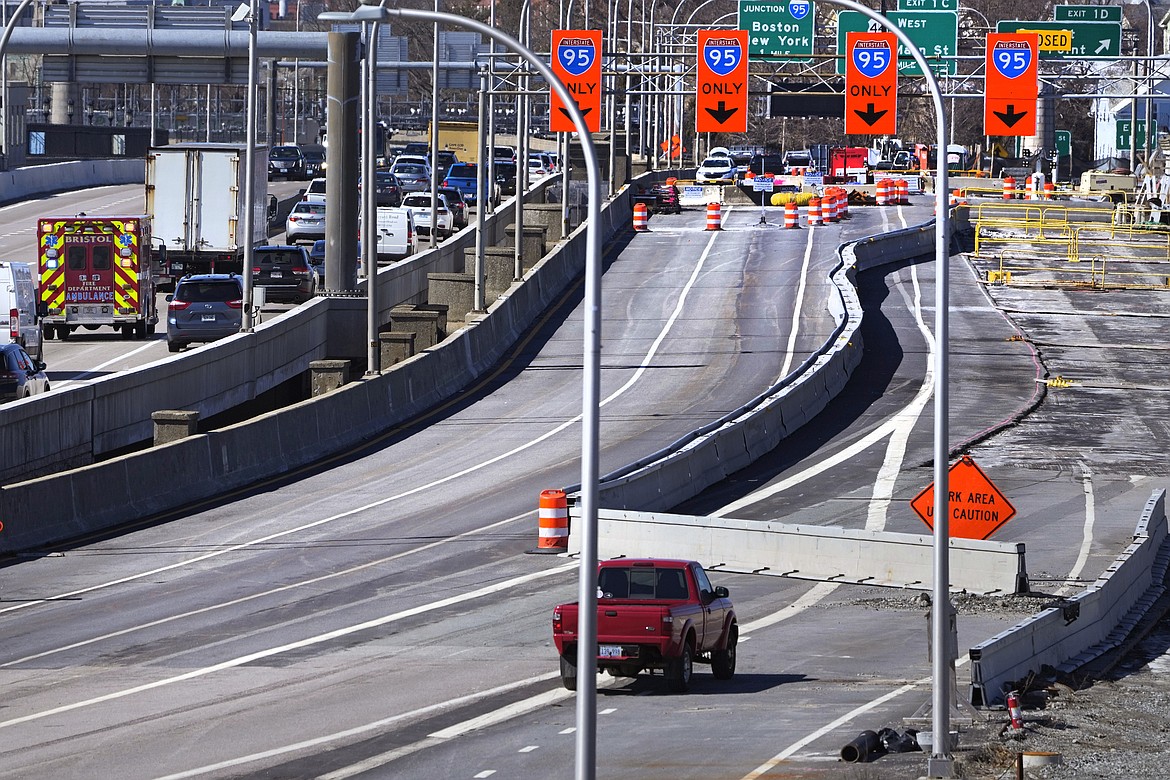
point(1009, 188)
point(553, 522)
point(814, 212)
point(1030, 188)
point(714, 216)
point(829, 205)
point(843, 204)
point(902, 190)
point(641, 216)
point(791, 215)
point(883, 192)
point(1049, 190)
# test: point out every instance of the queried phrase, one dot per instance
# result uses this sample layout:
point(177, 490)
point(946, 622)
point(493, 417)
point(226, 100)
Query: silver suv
point(204, 307)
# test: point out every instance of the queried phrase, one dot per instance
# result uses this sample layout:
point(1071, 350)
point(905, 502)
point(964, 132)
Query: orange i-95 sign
point(1011, 84)
point(871, 84)
point(576, 59)
point(721, 102)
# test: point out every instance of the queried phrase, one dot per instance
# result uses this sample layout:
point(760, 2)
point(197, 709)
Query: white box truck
point(195, 194)
point(20, 320)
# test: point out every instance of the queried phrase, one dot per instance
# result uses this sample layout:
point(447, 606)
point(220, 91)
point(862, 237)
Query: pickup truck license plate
point(209, 318)
point(610, 651)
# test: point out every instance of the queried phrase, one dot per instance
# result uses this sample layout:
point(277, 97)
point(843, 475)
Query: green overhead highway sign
point(781, 29)
point(1090, 40)
point(1064, 142)
point(1087, 13)
point(933, 32)
point(1124, 127)
point(928, 5)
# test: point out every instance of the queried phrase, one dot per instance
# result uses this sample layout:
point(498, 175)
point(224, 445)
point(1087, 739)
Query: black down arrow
point(584, 111)
point(721, 113)
point(869, 116)
point(1010, 117)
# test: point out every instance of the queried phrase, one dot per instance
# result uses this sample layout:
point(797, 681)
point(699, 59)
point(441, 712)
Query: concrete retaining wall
point(1085, 626)
point(23, 183)
point(808, 552)
point(63, 505)
point(113, 413)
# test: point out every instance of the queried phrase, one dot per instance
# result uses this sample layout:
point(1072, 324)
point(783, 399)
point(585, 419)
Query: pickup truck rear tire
point(568, 674)
point(679, 670)
point(723, 661)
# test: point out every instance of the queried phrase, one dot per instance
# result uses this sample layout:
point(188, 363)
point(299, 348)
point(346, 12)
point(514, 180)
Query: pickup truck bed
point(657, 616)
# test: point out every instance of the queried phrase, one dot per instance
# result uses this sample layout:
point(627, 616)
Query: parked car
point(538, 165)
point(315, 192)
point(19, 320)
point(204, 307)
point(653, 614)
point(412, 176)
point(716, 170)
point(505, 177)
point(761, 164)
point(458, 205)
point(314, 163)
point(306, 222)
point(445, 159)
point(387, 189)
point(284, 272)
point(286, 161)
point(21, 375)
point(420, 206)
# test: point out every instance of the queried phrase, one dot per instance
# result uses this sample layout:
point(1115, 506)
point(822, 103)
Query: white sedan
point(420, 206)
point(716, 170)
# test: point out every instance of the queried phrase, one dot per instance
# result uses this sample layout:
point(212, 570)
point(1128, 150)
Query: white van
point(19, 321)
point(396, 236)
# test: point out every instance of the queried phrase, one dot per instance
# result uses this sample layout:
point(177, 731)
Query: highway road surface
point(378, 616)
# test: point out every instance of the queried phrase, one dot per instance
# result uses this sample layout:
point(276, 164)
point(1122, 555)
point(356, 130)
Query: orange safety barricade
point(1009, 188)
point(814, 212)
point(553, 522)
point(714, 217)
point(641, 217)
point(883, 192)
point(902, 191)
point(791, 215)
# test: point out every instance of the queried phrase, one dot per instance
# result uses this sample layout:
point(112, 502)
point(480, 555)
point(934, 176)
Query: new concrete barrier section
point(67, 504)
point(807, 552)
point(35, 180)
point(1077, 630)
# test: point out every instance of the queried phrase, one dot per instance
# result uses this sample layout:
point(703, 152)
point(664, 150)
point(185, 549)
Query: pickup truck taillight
point(668, 618)
point(558, 622)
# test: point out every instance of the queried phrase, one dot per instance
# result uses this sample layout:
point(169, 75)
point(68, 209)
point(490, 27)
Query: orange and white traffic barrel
point(1030, 188)
point(714, 216)
point(883, 192)
point(641, 217)
point(814, 212)
point(1009, 188)
point(843, 204)
point(902, 191)
point(829, 205)
point(1049, 190)
point(553, 522)
point(791, 215)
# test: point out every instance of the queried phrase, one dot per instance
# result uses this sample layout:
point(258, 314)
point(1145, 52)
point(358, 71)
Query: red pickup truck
point(658, 615)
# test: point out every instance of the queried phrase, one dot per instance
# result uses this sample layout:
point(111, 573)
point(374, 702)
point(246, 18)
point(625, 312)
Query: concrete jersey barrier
point(23, 183)
point(1077, 630)
point(808, 552)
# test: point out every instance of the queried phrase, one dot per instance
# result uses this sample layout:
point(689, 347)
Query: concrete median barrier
point(808, 552)
point(1074, 631)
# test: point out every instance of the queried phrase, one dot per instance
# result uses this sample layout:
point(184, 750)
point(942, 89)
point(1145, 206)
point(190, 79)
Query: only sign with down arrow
point(1011, 84)
point(722, 82)
point(871, 84)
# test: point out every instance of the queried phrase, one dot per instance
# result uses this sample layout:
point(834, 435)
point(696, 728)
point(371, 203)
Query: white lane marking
point(93, 371)
point(801, 284)
point(504, 713)
point(569, 730)
point(529, 748)
point(771, 763)
point(644, 364)
point(485, 773)
point(266, 593)
point(1086, 531)
point(808, 599)
point(328, 636)
point(608, 711)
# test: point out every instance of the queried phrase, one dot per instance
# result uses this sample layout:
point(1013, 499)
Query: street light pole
point(250, 169)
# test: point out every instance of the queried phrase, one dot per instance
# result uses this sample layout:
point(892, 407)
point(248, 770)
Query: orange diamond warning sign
point(976, 505)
